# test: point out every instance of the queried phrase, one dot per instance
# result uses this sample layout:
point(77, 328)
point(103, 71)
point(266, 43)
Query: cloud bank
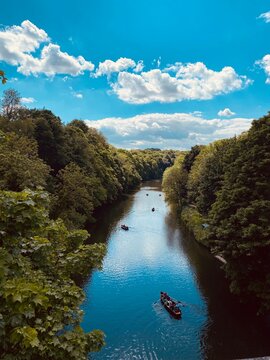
point(177, 131)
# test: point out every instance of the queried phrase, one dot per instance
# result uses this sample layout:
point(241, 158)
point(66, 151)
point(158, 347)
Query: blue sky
point(188, 72)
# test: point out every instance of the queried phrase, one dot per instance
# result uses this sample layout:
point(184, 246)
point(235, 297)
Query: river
point(157, 255)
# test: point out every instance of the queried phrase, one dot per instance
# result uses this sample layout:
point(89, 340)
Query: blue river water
point(157, 255)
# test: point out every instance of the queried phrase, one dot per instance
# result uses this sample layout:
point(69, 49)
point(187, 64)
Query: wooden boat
point(170, 305)
point(124, 227)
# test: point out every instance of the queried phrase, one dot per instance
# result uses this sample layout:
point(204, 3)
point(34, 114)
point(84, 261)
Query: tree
point(40, 303)
point(20, 166)
point(80, 124)
point(10, 104)
point(240, 228)
point(76, 198)
point(50, 136)
point(174, 182)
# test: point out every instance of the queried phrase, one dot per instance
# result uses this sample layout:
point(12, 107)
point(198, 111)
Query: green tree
point(240, 227)
point(20, 165)
point(77, 196)
point(50, 136)
point(40, 303)
point(174, 182)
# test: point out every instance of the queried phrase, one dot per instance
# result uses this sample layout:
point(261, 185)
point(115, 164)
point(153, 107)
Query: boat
point(124, 227)
point(153, 209)
point(170, 305)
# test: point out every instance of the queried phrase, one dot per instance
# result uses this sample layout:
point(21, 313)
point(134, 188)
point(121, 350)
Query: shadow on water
point(232, 329)
point(108, 217)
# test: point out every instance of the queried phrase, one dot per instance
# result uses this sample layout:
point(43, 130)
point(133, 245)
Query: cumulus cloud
point(264, 63)
point(27, 100)
point(16, 42)
point(177, 82)
point(18, 45)
point(226, 112)
point(108, 67)
point(178, 131)
point(265, 16)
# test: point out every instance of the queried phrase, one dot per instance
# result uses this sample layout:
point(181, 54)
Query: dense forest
point(222, 191)
point(52, 178)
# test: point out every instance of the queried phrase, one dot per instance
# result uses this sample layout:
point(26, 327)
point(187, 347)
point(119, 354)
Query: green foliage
point(40, 303)
point(50, 136)
point(194, 221)
point(20, 166)
point(77, 195)
point(240, 216)
point(206, 174)
point(174, 182)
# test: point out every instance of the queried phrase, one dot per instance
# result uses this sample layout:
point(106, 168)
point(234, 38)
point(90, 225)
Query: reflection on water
point(154, 255)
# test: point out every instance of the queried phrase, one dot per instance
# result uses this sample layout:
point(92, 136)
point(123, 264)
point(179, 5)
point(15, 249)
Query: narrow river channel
point(157, 255)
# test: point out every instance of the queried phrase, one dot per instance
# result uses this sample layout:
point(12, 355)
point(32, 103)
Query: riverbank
point(195, 223)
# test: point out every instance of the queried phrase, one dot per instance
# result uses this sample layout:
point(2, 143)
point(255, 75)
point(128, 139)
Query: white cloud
point(177, 83)
point(18, 43)
point(265, 16)
point(53, 61)
point(178, 131)
point(265, 64)
point(108, 67)
point(78, 95)
point(29, 100)
point(226, 112)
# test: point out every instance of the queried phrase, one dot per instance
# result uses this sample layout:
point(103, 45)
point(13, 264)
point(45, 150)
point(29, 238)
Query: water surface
point(157, 255)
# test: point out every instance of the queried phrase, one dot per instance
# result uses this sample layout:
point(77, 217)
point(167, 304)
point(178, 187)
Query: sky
point(164, 74)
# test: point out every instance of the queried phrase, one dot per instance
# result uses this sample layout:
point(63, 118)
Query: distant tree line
point(222, 190)
point(52, 178)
